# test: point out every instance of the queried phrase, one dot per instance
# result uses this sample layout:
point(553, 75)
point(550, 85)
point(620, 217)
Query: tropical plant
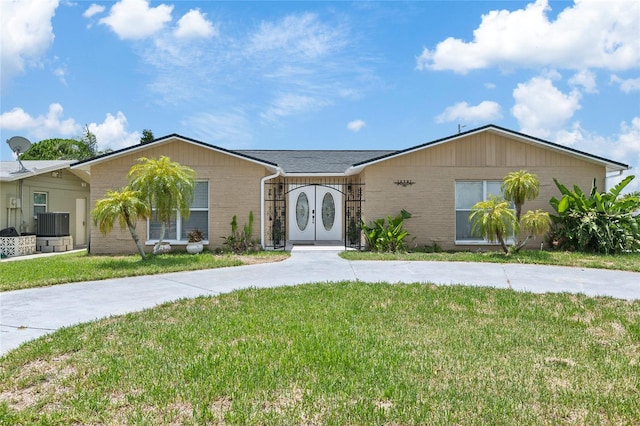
point(167, 186)
point(496, 220)
point(519, 187)
point(606, 222)
point(386, 236)
point(195, 236)
point(241, 242)
point(127, 206)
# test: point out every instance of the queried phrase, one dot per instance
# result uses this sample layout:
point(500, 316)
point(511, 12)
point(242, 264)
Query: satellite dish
point(18, 145)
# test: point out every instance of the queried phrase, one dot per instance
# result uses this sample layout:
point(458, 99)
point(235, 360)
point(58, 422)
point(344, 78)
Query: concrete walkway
point(28, 314)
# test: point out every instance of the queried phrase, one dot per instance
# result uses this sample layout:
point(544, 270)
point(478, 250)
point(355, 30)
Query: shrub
point(241, 242)
point(386, 237)
point(599, 222)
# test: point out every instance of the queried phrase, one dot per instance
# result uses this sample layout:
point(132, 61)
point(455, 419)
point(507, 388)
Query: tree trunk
point(134, 235)
point(162, 231)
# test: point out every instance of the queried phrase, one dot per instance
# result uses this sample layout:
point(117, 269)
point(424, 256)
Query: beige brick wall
point(234, 189)
point(434, 170)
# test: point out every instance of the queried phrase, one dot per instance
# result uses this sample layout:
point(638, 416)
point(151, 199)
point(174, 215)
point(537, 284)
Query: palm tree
point(493, 219)
point(125, 205)
point(518, 187)
point(166, 185)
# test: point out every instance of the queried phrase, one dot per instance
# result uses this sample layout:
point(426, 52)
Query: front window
point(468, 193)
point(39, 203)
point(198, 218)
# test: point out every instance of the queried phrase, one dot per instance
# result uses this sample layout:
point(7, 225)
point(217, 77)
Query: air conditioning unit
point(52, 224)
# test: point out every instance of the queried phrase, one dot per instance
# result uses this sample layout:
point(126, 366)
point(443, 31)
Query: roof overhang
point(33, 171)
point(86, 165)
point(611, 166)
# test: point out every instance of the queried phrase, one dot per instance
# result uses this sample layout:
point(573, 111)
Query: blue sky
point(323, 75)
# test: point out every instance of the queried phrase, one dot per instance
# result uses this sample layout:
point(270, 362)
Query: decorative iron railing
point(276, 205)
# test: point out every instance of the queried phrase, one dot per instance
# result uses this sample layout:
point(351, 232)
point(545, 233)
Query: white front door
point(315, 213)
point(81, 222)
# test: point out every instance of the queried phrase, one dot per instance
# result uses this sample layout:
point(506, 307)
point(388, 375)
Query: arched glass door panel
point(328, 211)
point(302, 211)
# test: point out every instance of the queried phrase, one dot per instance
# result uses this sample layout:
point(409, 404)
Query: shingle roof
point(318, 161)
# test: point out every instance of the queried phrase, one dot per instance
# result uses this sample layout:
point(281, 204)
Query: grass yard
point(339, 354)
point(622, 262)
point(74, 267)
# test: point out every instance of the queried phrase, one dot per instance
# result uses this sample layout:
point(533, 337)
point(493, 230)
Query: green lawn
point(338, 354)
point(623, 262)
point(73, 267)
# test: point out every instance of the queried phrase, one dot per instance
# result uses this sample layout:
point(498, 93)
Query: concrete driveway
point(28, 314)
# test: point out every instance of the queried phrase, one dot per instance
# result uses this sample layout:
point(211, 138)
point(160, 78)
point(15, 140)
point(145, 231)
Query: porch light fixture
point(404, 182)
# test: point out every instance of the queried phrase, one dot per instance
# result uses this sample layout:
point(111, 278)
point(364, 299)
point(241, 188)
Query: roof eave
point(86, 165)
point(609, 164)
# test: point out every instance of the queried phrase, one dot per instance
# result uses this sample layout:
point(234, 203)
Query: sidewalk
point(28, 314)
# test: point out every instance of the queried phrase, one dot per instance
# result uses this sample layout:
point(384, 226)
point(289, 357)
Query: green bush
point(599, 222)
point(241, 242)
point(386, 236)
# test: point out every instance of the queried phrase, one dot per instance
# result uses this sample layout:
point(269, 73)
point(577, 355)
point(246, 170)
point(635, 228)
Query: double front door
point(315, 213)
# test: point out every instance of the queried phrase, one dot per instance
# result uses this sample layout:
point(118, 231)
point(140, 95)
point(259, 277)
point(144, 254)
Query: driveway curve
point(31, 313)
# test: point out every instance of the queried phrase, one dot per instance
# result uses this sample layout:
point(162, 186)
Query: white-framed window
point(198, 218)
point(468, 193)
point(40, 200)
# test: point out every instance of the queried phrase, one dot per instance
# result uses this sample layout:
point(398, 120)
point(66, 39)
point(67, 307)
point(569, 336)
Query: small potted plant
point(194, 245)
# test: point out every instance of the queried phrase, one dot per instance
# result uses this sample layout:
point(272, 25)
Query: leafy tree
point(90, 141)
point(147, 136)
point(166, 185)
point(126, 206)
point(495, 219)
point(57, 149)
point(606, 222)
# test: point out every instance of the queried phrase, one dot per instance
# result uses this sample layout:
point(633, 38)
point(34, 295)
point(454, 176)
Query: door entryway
point(315, 213)
point(81, 222)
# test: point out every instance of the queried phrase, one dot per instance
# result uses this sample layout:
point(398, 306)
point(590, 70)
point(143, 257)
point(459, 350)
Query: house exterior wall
point(234, 189)
point(482, 156)
point(62, 192)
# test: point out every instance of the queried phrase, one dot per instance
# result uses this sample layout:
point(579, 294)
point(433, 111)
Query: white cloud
point(490, 85)
point(292, 103)
point(623, 147)
point(230, 128)
point(585, 79)
point(26, 34)
point(588, 34)
point(112, 132)
point(463, 112)
point(194, 24)
point(50, 125)
point(627, 86)
point(541, 109)
point(301, 35)
point(94, 9)
point(61, 73)
point(356, 125)
point(134, 19)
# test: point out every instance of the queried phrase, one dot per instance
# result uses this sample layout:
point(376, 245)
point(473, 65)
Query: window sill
point(174, 242)
point(480, 243)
